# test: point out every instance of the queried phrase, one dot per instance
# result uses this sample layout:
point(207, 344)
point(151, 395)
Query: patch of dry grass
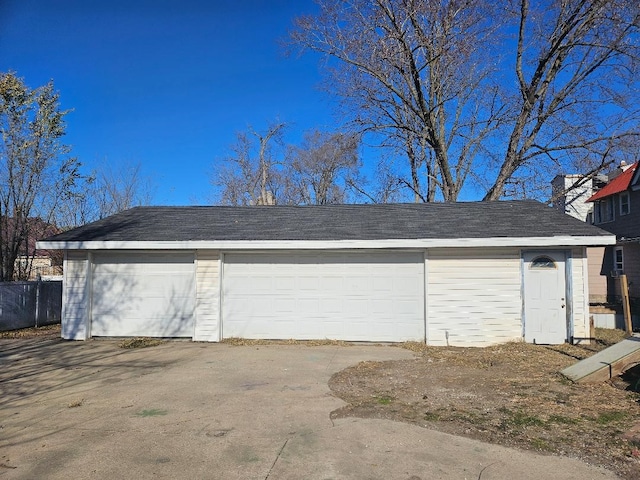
point(140, 342)
point(511, 394)
point(416, 347)
point(76, 403)
point(245, 342)
point(609, 336)
point(52, 331)
point(605, 337)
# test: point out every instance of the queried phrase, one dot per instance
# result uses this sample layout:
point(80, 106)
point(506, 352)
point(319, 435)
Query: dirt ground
point(509, 394)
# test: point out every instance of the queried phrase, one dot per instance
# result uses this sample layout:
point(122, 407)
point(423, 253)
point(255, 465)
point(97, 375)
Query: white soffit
point(559, 241)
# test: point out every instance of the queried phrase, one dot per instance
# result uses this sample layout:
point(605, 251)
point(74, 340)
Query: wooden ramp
point(607, 363)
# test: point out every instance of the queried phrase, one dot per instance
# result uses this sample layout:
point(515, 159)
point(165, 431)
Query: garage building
point(462, 274)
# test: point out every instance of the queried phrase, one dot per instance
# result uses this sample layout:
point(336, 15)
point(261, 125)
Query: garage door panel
point(117, 325)
point(368, 296)
point(148, 307)
point(143, 294)
point(283, 284)
point(405, 287)
point(407, 308)
point(332, 305)
point(332, 284)
point(306, 283)
point(283, 305)
point(160, 286)
point(311, 305)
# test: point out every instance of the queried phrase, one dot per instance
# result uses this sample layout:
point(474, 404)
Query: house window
point(618, 260)
point(542, 263)
point(625, 206)
point(603, 210)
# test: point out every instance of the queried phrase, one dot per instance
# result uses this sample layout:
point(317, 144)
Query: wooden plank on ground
point(606, 364)
point(624, 289)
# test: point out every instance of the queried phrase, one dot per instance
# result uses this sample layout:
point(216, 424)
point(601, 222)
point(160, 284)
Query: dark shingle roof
point(333, 222)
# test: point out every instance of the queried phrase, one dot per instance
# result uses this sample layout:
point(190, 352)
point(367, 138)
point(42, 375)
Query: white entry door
point(545, 305)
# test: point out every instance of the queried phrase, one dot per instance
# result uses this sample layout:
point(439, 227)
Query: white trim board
point(521, 242)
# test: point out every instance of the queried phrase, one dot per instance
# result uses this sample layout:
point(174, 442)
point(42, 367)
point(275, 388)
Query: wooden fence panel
point(30, 304)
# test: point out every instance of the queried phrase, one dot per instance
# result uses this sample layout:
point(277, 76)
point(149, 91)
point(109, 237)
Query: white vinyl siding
point(356, 296)
point(474, 297)
point(143, 294)
point(207, 328)
point(75, 305)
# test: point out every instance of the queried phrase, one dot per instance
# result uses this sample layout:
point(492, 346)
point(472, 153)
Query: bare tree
point(385, 186)
point(36, 171)
point(322, 169)
point(262, 170)
point(410, 72)
point(444, 81)
point(251, 174)
point(111, 188)
point(119, 187)
point(577, 78)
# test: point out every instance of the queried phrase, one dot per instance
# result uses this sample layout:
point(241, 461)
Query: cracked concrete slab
point(191, 410)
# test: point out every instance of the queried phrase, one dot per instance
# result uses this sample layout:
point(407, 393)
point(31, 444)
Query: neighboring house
point(466, 274)
point(570, 194)
point(616, 208)
point(43, 265)
point(31, 263)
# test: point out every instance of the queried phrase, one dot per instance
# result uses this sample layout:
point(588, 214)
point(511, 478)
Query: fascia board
point(635, 180)
point(558, 241)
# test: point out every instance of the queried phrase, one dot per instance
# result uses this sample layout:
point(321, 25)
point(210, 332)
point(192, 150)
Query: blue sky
point(165, 83)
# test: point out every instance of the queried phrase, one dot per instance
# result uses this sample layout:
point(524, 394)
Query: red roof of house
point(617, 185)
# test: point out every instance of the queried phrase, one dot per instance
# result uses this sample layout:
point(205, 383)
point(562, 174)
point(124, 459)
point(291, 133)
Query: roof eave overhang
point(557, 241)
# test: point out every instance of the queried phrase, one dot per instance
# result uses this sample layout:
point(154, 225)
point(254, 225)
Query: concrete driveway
point(191, 410)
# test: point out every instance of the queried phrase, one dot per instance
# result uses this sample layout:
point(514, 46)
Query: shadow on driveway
point(33, 367)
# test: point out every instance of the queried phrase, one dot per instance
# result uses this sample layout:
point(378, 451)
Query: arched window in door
point(542, 263)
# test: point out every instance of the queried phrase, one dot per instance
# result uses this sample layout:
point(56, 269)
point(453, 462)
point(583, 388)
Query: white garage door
point(143, 294)
point(347, 296)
